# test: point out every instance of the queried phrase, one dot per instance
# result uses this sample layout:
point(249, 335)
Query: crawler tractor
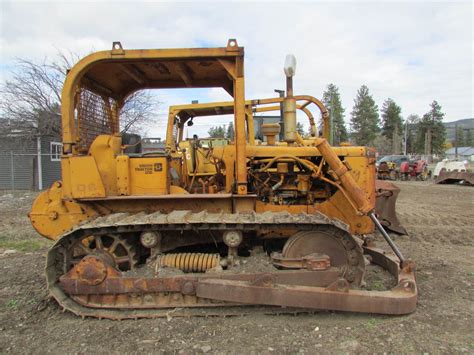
point(207, 223)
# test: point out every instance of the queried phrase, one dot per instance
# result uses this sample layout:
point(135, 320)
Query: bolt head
point(53, 215)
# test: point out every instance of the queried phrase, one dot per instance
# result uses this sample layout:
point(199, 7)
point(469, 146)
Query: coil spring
point(190, 262)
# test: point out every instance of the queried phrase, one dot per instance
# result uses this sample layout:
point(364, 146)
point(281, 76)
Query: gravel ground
point(441, 241)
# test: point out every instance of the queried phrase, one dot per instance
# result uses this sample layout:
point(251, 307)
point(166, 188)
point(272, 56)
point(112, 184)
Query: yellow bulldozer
point(208, 223)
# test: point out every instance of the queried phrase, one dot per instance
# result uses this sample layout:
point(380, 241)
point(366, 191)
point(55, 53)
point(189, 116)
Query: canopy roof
point(118, 78)
point(118, 73)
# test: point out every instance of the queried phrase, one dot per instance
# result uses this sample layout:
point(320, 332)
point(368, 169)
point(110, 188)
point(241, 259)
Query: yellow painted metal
point(307, 101)
point(149, 176)
point(289, 117)
point(250, 125)
point(190, 262)
point(66, 187)
point(338, 205)
point(240, 140)
point(271, 130)
point(184, 112)
point(85, 180)
point(104, 149)
point(312, 124)
point(52, 216)
point(349, 184)
point(123, 175)
point(361, 194)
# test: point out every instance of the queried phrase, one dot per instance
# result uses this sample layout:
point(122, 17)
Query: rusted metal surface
point(387, 171)
point(400, 300)
point(75, 283)
point(385, 206)
point(114, 248)
point(118, 223)
point(289, 289)
point(91, 271)
point(342, 249)
point(454, 177)
point(310, 262)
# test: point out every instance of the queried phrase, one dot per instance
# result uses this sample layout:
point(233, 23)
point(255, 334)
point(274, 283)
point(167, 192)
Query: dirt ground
point(440, 223)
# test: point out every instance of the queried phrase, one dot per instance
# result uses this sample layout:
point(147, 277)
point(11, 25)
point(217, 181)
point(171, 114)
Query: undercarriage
point(101, 268)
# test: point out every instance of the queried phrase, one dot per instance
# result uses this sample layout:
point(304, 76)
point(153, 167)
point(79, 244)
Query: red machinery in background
point(414, 169)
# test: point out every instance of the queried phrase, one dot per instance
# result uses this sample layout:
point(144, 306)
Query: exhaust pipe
point(289, 103)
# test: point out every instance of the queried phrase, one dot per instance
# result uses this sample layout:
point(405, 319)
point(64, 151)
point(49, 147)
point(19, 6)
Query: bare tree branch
point(30, 101)
point(139, 108)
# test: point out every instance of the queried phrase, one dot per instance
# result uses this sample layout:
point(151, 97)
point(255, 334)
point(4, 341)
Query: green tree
point(217, 132)
point(332, 101)
point(432, 133)
point(230, 131)
point(300, 128)
point(470, 137)
point(365, 118)
point(413, 122)
point(392, 124)
point(459, 140)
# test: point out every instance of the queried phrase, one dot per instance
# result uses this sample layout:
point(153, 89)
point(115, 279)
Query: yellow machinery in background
point(140, 233)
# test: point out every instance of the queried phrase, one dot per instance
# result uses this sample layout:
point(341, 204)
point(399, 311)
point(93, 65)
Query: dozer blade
point(385, 204)
point(455, 177)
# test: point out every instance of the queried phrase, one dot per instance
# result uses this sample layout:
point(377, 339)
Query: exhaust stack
point(289, 103)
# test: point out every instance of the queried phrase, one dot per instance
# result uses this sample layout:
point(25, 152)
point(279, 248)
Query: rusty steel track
point(195, 295)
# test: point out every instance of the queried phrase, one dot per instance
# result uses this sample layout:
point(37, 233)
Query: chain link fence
point(19, 171)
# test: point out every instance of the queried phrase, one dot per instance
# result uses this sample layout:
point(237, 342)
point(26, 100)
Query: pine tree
point(392, 124)
point(413, 122)
point(332, 101)
point(216, 132)
point(365, 118)
point(431, 132)
point(230, 131)
point(470, 138)
point(459, 140)
point(300, 128)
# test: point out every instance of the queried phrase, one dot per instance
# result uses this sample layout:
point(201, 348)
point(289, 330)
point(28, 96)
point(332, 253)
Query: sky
point(411, 51)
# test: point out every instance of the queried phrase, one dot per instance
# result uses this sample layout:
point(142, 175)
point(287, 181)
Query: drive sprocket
point(116, 248)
